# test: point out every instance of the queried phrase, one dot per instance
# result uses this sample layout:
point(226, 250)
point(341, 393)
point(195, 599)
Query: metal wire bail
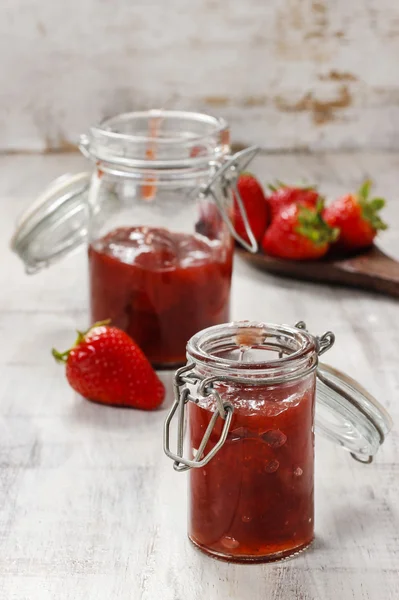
point(84, 145)
point(182, 397)
point(229, 173)
point(324, 342)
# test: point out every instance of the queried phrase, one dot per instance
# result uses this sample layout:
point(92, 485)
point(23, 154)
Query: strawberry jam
point(160, 287)
point(253, 501)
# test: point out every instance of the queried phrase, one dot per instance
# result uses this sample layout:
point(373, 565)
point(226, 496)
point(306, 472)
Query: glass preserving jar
point(249, 391)
point(156, 215)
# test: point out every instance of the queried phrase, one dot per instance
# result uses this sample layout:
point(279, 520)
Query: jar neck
point(160, 141)
point(254, 353)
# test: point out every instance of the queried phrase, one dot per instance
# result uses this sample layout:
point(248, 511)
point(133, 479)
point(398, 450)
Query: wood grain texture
point(286, 74)
point(370, 270)
point(90, 509)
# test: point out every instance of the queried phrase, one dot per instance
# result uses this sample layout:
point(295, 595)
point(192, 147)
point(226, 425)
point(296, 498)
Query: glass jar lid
point(55, 224)
point(348, 415)
point(345, 412)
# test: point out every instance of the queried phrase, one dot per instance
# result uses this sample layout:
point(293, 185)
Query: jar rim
point(158, 139)
point(105, 126)
point(299, 346)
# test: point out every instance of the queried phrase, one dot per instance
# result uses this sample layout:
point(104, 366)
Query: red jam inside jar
point(160, 287)
point(254, 500)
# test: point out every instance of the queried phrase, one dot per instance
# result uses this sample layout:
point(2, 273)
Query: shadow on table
point(95, 415)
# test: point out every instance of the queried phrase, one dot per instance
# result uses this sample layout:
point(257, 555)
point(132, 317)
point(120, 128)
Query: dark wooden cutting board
point(371, 270)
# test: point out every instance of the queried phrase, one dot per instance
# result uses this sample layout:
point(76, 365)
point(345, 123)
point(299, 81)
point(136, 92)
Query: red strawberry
point(253, 198)
point(106, 366)
point(357, 218)
point(299, 232)
point(284, 195)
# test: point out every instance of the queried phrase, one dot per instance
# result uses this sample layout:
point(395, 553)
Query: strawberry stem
point(62, 357)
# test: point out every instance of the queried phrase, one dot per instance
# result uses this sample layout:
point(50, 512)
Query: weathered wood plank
point(288, 74)
point(89, 506)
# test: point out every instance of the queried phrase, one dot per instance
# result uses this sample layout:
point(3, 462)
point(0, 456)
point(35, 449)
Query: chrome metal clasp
point(228, 174)
point(84, 145)
point(182, 395)
point(323, 342)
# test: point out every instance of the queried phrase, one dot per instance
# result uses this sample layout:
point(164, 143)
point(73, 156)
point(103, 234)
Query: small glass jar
point(156, 214)
point(250, 391)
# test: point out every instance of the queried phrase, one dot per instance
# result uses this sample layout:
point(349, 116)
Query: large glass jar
point(156, 214)
point(250, 391)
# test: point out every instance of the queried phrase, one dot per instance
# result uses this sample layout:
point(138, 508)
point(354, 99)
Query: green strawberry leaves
point(313, 226)
point(371, 208)
point(364, 191)
point(377, 203)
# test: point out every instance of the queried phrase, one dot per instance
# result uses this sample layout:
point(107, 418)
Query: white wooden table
point(90, 509)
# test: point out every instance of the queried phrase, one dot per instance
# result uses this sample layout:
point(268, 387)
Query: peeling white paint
point(275, 70)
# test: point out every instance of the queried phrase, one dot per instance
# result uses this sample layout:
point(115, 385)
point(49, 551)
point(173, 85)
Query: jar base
point(245, 559)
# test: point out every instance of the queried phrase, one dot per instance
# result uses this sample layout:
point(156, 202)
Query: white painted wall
point(285, 73)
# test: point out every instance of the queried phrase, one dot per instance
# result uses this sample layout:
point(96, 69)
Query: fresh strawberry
point(283, 195)
point(356, 216)
point(299, 232)
point(253, 198)
point(106, 366)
